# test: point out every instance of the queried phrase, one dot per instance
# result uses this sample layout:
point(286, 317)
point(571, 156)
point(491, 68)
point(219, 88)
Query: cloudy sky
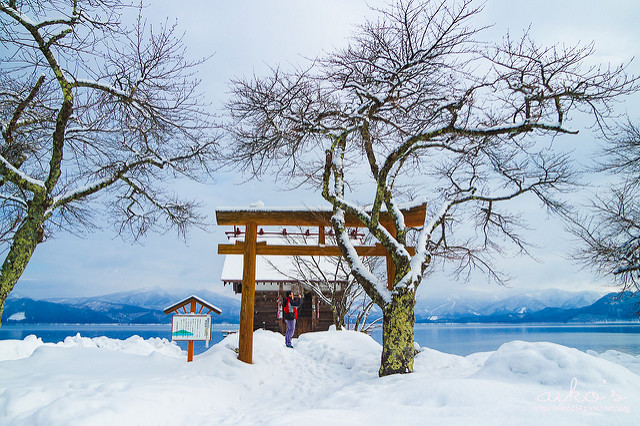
point(246, 37)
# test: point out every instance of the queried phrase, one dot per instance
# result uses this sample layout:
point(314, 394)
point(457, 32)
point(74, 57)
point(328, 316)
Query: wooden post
point(391, 272)
point(245, 344)
point(190, 344)
point(314, 313)
point(391, 267)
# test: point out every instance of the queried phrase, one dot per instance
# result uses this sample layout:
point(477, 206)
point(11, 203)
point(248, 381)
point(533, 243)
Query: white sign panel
point(191, 327)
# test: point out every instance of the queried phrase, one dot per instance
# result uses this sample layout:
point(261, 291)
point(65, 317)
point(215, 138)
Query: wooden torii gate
point(251, 219)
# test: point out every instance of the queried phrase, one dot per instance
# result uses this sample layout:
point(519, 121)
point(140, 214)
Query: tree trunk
point(336, 318)
point(397, 334)
point(24, 243)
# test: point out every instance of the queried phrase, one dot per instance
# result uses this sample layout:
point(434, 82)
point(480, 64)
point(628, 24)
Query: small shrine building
point(276, 276)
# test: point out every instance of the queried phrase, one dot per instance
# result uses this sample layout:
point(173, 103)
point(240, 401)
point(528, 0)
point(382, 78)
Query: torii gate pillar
point(245, 344)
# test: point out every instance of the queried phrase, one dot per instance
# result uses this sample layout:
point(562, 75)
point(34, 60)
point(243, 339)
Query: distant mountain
point(469, 305)
point(29, 311)
point(146, 307)
point(159, 299)
point(153, 299)
point(611, 307)
point(579, 307)
point(134, 307)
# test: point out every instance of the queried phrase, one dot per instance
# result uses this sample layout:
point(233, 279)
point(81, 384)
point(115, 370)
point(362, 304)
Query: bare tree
point(435, 115)
point(88, 106)
point(610, 230)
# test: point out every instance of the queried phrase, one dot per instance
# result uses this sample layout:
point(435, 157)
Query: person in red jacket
point(290, 310)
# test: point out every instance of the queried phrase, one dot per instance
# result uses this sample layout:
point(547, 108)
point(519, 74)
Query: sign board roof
point(188, 300)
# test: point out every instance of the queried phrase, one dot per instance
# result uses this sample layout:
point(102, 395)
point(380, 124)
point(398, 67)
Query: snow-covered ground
point(328, 378)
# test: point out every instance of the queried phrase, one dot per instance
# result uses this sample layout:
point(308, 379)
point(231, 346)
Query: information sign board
point(191, 327)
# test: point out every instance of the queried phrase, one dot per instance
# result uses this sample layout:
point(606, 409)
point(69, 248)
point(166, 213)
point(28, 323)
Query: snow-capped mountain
point(146, 306)
point(472, 306)
point(136, 307)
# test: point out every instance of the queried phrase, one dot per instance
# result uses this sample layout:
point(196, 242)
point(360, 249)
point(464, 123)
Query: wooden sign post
point(192, 325)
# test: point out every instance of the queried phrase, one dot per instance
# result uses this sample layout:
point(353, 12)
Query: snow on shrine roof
point(265, 270)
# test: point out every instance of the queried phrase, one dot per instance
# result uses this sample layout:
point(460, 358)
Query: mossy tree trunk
point(25, 240)
point(337, 320)
point(397, 334)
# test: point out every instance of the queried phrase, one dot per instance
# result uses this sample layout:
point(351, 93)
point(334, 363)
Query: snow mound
point(432, 361)
point(344, 348)
point(630, 361)
point(552, 364)
point(135, 345)
point(16, 349)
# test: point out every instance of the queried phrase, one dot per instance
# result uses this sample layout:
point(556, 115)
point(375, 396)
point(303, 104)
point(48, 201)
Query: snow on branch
point(92, 188)
point(19, 178)
point(16, 200)
point(358, 269)
point(17, 15)
point(422, 254)
point(80, 192)
point(626, 269)
point(79, 82)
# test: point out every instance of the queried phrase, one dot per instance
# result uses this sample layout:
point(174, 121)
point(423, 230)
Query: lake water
point(57, 332)
point(459, 339)
point(465, 339)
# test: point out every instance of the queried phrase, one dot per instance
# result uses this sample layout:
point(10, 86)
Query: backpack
point(286, 309)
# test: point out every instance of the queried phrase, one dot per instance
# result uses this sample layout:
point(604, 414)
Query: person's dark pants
point(291, 327)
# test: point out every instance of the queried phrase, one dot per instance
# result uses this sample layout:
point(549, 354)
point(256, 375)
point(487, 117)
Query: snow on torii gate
point(249, 248)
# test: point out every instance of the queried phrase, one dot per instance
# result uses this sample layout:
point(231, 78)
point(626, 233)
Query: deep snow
point(328, 378)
